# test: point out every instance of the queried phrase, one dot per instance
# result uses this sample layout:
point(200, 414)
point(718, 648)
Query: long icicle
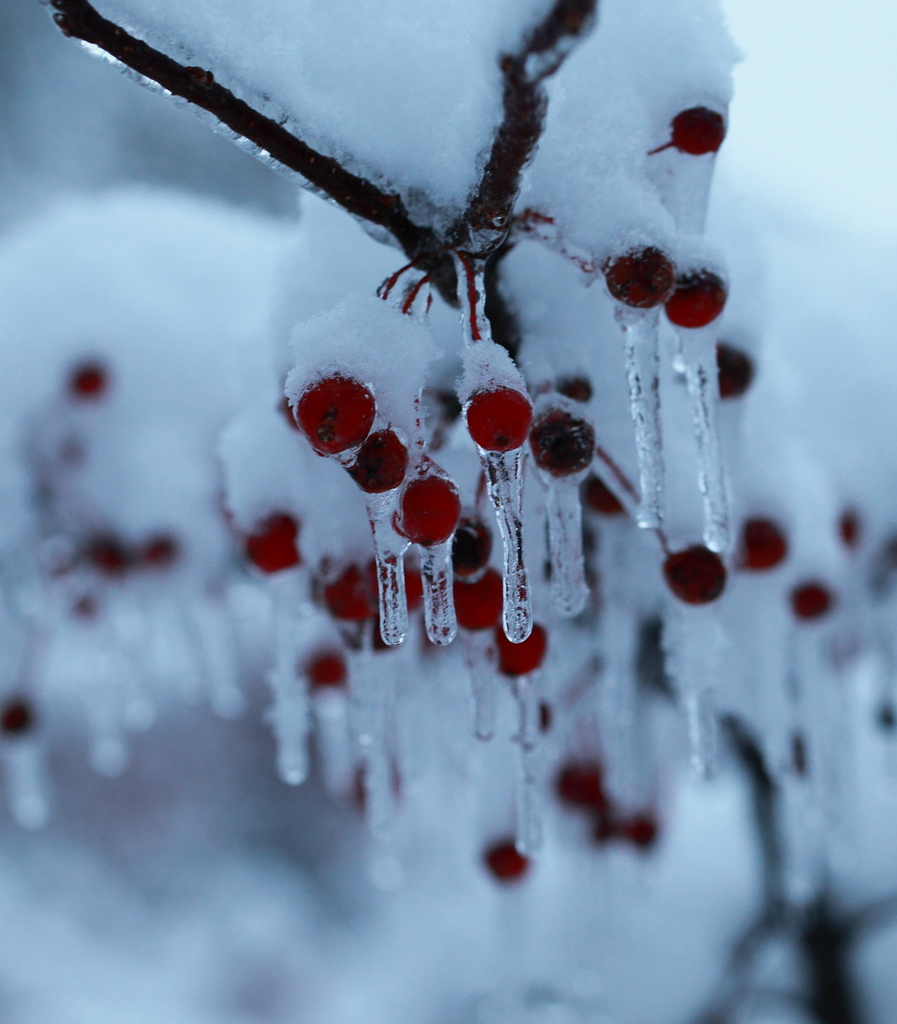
point(529, 807)
point(439, 603)
point(389, 552)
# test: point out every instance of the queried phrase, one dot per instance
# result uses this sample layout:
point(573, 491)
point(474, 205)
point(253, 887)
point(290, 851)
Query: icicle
point(27, 789)
point(334, 746)
point(389, 550)
point(640, 329)
point(219, 655)
point(529, 799)
point(129, 628)
point(700, 715)
point(294, 624)
point(701, 374)
point(370, 689)
point(618, 690)
point(503, 471)
point(479, 658)
point(569, 591)
point(439, 604)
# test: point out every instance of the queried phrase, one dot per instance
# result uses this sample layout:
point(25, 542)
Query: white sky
point(814, 121)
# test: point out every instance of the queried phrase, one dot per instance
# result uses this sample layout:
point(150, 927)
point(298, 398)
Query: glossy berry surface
point(562, 444)
point(335, 414)
point(582, 785)
point(763, 545)
point(471, 547)
point(159, 552)
point(697, 300)
point(89, 381)
point(478, 605)
point(273, 547)
point(577, 388)
point(519, 659)
point(328, 669)
point(429, 511)
point(698, 130)
point(849, 528)
point(505, 862)
point(16, 717)
point(736, 371)
point(499, 420)
point(108, 556)
point(696, 575)
point(811, 600)
point(642, 278)
point(381, 463)
point(599, 498)
point(352, 596)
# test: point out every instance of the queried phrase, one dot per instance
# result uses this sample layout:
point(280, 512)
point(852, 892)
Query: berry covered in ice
point(352, 596)
point(562, 444)
point(698, 299)
point(849, 527)
point(763, 545)
point(159, 552)
point(696, 575)
point(577, 388)
point(519, 659)
point(327, 669)
point(471, 547)
point(88, 381)
point(108, 555)
point(641, 830)
point(478, 605)
point(581, 784)
point(598, 497)
point(811, 600)
point(429, 510)
point(641, 278)
point(697, 130)
point(736, 370)
point(336, 414)
point(499, 420)
point(273, 547)
point(505, 862)
point(381, 462)
point(16, 717)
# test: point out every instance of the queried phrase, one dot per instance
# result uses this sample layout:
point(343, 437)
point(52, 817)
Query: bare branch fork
point(480, 230)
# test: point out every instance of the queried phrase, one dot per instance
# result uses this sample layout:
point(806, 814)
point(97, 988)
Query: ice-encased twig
point(439, 600)
point(640, 331)
point(569, 591)
point(529, 799)
point(479, 658)
point(389, 551)
point(504, 473)
point(701, 375)
point(27, 789)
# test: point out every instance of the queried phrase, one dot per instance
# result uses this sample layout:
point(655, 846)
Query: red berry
point(736, 371)
point(335, 414)
point(499, 420)
point(327, 669)
point(353, 595)
point(16, 717)
point(429, 510)
point(698, 131)
point(849, 527)
point(381, 463)
point(763, 545)
point(108, 556)
point(601, 499)
point(582, 785)
point(505, 862)
point(641, 278)
point(478, 605)
point(159, 552)
point(88, 381)
point(577, 388)
point(697, 301)
point(641, 830)
point(518, 659)
point(273, 547)
point(471, 547)
point(696, 575)
point(562, 444)
point(811, 600)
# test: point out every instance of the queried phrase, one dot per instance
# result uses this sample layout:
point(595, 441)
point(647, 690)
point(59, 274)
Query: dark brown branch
point(358, 196)
point(488, 216)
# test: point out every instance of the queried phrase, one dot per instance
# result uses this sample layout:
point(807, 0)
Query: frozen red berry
point(352, 596)
point(159, 552)
point(108, 555)
point(577, 388)
point(641, 278)
point(505, 862)
point(640, 830)
point(327, 669)
point(499, 420)
point(697, 300)
point(381, 463)
point(849, 527)
point(273, 546)
point(696, 575)
point(562, 444)
point(471, 547)
point(763, 545)
point(598, 497)
point(336, 414)
point(736, 371)
point(16, 717)
point(811, 600)
point(429, 510)
point(519, 659)
point(697, 130)
point(581, 784)
point(88, 381)
point(478, 605)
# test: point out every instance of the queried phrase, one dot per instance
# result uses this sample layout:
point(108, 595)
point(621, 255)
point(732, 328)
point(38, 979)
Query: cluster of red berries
point(581, 785)
point(111, 557)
